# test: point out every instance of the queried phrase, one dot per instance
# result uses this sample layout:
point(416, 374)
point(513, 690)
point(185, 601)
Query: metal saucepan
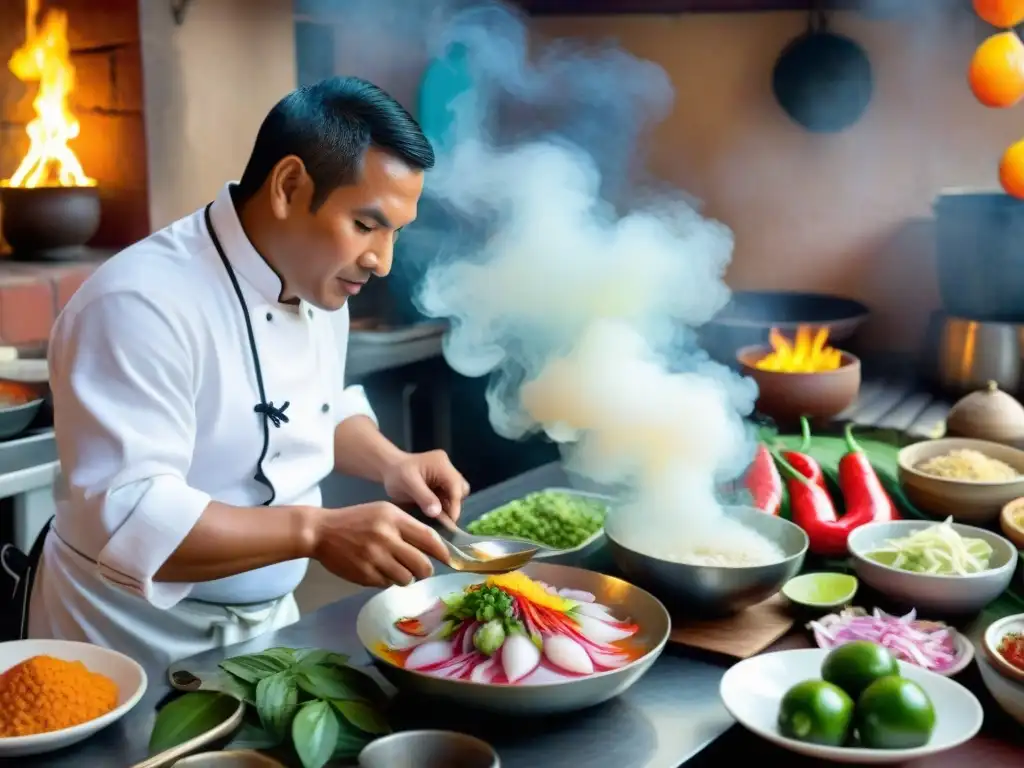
point(964, 355)
point(750, 315)
point(823, 80)
point(376, 621)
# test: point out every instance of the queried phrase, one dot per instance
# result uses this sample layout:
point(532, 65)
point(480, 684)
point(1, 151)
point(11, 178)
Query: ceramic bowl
point(129, 677)
point(930, 594)
point(1008, 694)
point(1011, 520)
point(428, 748)
point(788, 396)
point(752, 691)
point(996, 631)
point(966, 501)
point(821, 591)
point(715, 590)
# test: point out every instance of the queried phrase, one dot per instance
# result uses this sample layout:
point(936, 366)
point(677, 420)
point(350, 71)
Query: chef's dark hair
point(329, 125)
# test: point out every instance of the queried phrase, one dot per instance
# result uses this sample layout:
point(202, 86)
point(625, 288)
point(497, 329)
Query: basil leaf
point(254, 736)
point(254, 667)
point(189, 716)
point(285, 656)
point(277, 698)
point(350, 743)
point(315, 731)
point(327, 683)
point(308, 657)
point(362, 716)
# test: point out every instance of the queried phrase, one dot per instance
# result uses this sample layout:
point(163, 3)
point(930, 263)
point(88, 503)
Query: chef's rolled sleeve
point(124, 388)
point(352, 401)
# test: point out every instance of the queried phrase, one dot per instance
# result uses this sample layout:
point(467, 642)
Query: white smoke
point(576, 306)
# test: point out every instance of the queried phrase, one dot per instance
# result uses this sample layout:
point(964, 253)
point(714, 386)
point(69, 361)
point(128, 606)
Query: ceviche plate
point(542, 693)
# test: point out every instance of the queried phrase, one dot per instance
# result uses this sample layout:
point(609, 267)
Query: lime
point(816, 712)
point(820, 589)
point(894, 713)
point(855, 666)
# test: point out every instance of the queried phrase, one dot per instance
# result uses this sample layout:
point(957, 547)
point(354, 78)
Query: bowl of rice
point(744, 560)
point(968, 480)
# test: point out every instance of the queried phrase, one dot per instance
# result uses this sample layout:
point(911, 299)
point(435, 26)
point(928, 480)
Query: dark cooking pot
point(750, 315)
point(823, 80)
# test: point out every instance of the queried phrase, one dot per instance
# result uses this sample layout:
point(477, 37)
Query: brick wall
point(104, 37)
point(105, 42)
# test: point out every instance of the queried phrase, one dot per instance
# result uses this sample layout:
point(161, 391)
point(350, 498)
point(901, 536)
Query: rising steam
point(572, 304)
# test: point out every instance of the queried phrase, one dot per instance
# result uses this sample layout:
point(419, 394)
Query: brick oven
point(106, 100)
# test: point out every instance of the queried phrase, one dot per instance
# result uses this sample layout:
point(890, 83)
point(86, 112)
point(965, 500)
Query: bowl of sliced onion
point(930, 645)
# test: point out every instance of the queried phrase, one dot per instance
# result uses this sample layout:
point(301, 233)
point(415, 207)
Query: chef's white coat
point(154, 388)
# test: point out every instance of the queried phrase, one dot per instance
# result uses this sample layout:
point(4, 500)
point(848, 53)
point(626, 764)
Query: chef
point(199, 398)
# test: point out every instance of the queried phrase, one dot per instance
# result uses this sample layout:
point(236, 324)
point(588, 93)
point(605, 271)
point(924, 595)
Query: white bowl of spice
point(968, 480)
point(55, 693)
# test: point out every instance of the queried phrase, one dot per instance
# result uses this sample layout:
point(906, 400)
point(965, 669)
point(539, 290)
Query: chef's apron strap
point(17, 575)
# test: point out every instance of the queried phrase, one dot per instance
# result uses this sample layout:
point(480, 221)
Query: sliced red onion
point(926, 644)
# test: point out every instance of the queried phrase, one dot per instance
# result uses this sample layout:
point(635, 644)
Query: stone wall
point(105, 41)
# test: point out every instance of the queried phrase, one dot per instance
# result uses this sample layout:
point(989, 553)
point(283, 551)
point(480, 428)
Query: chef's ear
point(289, 186)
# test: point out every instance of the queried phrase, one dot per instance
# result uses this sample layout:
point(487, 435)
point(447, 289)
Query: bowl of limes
point(854, 704)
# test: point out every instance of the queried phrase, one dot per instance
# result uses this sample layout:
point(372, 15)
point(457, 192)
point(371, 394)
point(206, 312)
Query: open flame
point(807, 353)
point(45, 58)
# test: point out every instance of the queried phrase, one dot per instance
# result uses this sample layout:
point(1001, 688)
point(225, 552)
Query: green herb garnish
point(312, 698)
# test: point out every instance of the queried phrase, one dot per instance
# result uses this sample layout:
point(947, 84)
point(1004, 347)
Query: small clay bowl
point(1011, 520)
point(788, 396)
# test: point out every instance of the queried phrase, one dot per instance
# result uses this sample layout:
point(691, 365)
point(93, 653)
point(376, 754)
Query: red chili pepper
point(812, 509)
point(863, 492)
point(764, 481)
point(802, 462)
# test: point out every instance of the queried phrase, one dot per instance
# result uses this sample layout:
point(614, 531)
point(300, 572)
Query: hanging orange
point(1005, 14)
point(996, 74)
point(1011, 170)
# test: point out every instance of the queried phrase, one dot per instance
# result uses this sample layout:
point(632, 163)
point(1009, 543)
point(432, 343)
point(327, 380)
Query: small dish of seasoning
point(1004, 646)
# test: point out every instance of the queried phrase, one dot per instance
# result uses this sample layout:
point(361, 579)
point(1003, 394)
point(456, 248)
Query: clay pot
point(786, 397)
point(988, 414)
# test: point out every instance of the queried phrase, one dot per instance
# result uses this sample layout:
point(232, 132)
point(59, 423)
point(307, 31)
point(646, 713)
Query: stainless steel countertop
point(669, 715)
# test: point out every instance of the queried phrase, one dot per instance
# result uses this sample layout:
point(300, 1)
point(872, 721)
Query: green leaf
point(308, 657)
point(315, 731)
point(254, 667)
point(188, 716)
point(330, 682)
point(254, 736)
point(363, 716)
point(350, 743)
point(285, 656)
point(277, 698)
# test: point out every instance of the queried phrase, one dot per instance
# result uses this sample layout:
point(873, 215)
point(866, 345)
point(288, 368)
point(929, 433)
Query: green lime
point(894, 713)
point(817, 712)
point(855, 666)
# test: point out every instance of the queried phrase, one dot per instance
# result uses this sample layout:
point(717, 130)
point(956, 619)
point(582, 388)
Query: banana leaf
point(882, 447)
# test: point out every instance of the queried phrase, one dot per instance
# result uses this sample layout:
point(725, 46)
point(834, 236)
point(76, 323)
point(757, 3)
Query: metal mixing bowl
point(376, 619)
point(717, 590)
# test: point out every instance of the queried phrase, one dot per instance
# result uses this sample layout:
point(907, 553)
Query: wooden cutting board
point(740, 636)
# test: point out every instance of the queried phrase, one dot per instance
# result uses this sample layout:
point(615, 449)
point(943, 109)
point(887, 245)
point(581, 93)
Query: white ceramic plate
point(753, 689)
point(126, 673)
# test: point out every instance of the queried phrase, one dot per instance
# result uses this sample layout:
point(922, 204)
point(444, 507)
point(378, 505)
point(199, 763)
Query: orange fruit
point(1011, 170)
point(996, 73)
point(1005, 14)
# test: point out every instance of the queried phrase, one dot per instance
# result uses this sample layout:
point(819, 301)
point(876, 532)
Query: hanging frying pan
point(823, 80)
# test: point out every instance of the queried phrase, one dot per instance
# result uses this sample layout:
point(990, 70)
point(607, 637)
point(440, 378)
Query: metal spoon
point(477, 554)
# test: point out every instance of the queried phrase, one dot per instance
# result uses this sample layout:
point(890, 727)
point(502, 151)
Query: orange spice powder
point(43, 694)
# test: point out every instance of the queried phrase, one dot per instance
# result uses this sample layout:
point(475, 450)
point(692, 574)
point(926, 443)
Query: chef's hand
point(376, 545)
point(429, 481)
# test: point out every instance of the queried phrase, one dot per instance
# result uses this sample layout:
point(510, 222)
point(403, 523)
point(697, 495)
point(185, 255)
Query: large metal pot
point(966, 354)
